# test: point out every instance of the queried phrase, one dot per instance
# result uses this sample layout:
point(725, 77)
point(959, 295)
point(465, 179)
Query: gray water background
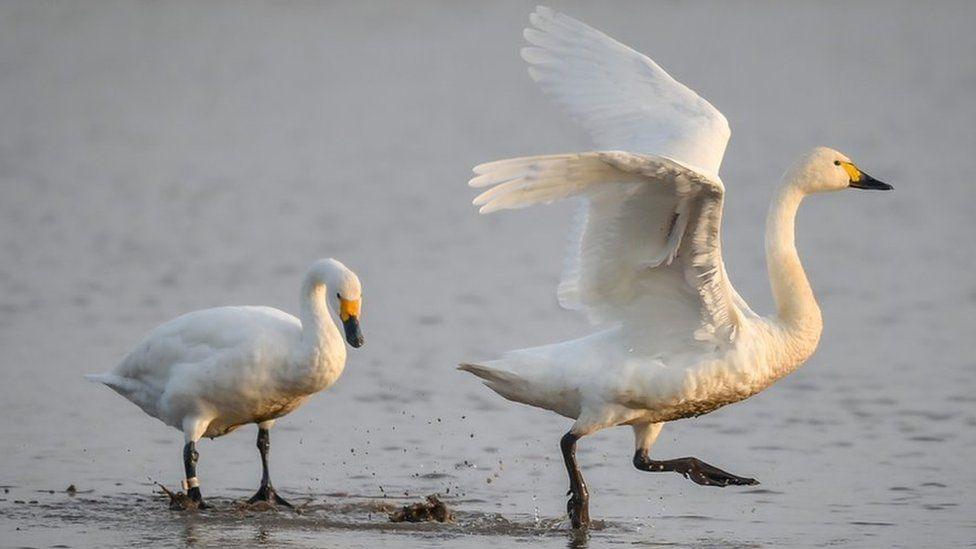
point(161, 157)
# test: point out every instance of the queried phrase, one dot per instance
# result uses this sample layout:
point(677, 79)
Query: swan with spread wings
point(675, 338)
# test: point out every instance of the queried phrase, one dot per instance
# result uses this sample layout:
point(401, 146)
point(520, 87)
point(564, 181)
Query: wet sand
point(159, 158)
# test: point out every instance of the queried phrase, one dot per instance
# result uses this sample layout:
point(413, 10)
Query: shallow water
point(157, 158)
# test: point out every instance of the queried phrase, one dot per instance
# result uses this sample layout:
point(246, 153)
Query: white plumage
point(219, 369)
point(646, 266)
point(604, 85)
point(208, 372)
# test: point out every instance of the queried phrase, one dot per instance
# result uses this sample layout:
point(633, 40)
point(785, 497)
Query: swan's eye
point(338, 295)
point(836, 162)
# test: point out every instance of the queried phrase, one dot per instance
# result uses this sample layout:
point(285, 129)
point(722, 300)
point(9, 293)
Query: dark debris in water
point(431, 510)
point(178, 501)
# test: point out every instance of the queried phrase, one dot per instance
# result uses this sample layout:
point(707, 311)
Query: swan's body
point(208, 372)
point(681, 341)
point(676, 340)
point(231, 364)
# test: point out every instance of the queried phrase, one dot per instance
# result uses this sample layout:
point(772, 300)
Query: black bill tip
point(869, 183)
point(353, 335)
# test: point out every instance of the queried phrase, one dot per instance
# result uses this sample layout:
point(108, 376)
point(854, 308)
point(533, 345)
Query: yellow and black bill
point(349, 314)
point(861, 180)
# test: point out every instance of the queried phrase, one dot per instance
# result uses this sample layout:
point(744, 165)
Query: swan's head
point(346, 292)
point(823, 169)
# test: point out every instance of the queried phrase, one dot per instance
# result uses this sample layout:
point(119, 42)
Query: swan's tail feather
point(123, 386)
point(525, 388)
point(488, 373)
point(99, 378)
point(135, 391)
point(503, 382)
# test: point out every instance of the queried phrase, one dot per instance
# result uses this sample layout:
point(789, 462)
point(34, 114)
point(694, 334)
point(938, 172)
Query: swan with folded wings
point(675, 338)
point(211, 371)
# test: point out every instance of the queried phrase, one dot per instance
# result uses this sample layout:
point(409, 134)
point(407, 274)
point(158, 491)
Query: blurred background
point(161, 157)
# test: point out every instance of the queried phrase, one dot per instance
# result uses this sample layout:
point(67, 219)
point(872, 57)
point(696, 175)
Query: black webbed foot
point(693, 469)
point(704, 474)
point(267, 494)
point(579, 512)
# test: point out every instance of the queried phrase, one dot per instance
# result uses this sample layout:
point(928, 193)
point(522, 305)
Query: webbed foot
point(578, 509)
point(693, 469)
point(267, 494)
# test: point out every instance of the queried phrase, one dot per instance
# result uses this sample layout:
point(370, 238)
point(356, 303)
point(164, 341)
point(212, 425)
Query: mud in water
point(227, 520)
point(432, 509)
point(158, 157)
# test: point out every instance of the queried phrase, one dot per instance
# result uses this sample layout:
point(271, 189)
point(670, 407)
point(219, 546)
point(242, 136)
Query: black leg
point(578, 505)
point(266, 492)
point(691, 468)
point(190, 457)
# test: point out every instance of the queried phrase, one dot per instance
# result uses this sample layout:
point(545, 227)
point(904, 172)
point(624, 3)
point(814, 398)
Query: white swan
point(678, 341)
point(209, 372)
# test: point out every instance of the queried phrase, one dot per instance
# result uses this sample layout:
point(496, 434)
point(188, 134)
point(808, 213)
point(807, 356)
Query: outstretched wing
point(621, 97)
point(648, 253)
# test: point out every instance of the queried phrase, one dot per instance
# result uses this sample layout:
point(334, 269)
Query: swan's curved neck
point(798, 314)
point(321, 354)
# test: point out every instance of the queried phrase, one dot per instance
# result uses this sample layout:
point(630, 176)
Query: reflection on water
point(157, 158)
point(204, 534)
point(578, 540)
point(190, 535)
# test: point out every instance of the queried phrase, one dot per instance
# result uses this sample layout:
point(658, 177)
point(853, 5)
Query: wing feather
point(624, 99)
point(640, 214)
point(646, 249)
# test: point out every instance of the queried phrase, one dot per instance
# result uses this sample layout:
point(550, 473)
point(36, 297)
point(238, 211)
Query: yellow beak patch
point(349, 308)
point(852, 171)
